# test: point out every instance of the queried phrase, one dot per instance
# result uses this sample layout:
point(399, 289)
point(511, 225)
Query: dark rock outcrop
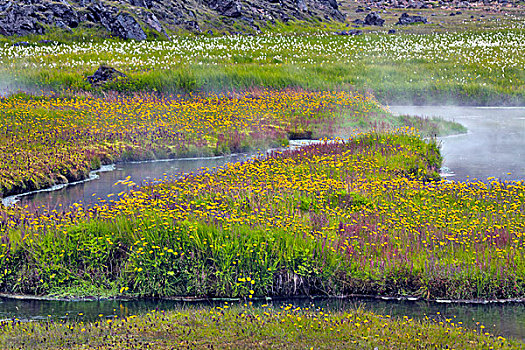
point(228, 8)
point(406, 19)
point(142, 3)
point(350, 32)
point(374, 19)
point(18, 19)
point(333, 4)
point(119, 23)
point(103, 75)
point(133, 19)
point(301, 5)
point(65, 13)
point(450, 4)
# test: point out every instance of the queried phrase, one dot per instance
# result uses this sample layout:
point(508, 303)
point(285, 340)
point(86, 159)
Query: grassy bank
point(470, 67)
point(246, 327)
point(337, 218)
point(51, 140)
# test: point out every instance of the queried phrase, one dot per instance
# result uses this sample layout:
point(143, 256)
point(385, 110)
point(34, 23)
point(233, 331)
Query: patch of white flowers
point(497, 52)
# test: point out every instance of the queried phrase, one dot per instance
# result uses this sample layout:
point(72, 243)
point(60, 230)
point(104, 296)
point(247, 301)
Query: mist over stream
point(493, 147)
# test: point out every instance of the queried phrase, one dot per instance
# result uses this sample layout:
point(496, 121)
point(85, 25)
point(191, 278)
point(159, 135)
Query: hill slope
point(138, 19)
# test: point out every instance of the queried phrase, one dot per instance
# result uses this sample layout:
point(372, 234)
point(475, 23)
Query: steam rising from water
point(6, 87)
point(493, 147)
point(9, 86)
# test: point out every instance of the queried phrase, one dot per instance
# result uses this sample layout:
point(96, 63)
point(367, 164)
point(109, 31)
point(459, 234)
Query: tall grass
point(479, 67)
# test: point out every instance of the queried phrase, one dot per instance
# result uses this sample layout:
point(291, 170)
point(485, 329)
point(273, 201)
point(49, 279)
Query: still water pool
point(494, 145)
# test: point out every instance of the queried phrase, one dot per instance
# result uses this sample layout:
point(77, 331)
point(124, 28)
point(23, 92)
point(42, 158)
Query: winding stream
point(493, 147)
point(105, 183)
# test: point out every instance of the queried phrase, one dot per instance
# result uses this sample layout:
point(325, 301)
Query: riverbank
point(247, 327)
point(498, 318)
point(212, 300)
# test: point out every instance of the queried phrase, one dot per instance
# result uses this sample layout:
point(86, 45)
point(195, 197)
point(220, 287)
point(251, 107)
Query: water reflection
point(506, 319)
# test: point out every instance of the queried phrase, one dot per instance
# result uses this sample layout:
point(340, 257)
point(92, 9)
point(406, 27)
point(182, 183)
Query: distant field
point(480, 67)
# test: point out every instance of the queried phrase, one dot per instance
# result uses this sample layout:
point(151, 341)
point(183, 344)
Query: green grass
point(248, 328)
point(479, 67)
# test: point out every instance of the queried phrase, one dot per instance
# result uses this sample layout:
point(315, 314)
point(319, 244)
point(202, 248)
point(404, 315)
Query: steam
point(8, 86)
point(494, 147)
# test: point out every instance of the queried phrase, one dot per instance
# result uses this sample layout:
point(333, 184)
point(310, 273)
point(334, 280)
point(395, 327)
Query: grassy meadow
point(362, 211)
point(467, 67)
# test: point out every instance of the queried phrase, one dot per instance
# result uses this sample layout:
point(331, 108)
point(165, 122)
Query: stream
point(493, 147)
point(105, 183)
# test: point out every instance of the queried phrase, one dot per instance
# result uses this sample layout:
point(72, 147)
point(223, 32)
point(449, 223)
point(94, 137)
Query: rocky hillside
point(138, 19)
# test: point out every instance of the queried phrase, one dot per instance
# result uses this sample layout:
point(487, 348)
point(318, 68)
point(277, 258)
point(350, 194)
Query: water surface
point(493, 147)
point(505, 319)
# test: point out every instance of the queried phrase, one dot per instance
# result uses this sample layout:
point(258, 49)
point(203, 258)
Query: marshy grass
point(478, 67)
point(238, 327)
